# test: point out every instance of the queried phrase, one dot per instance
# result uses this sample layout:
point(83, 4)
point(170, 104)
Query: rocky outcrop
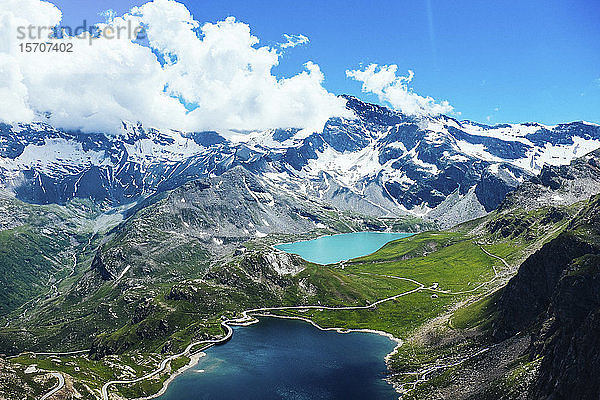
point(99, 267)
point(280, 262)
point(559, 185)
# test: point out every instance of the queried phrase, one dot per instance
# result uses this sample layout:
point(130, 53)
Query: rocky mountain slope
point(559, 185)
point(217, 229)
point(381, 163)
point(533, 336)
point(38, 245)
point(556, 296)
point(204, 221)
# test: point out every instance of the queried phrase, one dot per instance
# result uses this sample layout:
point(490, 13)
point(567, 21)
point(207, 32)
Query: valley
point(118, 290)
point(396, 290)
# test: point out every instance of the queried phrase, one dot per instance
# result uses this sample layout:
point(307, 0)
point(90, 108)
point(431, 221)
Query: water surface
point(336, 248)
point(291, 360)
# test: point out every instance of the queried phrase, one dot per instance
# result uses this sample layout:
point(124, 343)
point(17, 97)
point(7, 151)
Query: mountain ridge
point(381, 163)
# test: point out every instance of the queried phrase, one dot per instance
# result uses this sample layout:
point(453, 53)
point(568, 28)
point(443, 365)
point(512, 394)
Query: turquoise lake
point(292, 360)
point(336, 248)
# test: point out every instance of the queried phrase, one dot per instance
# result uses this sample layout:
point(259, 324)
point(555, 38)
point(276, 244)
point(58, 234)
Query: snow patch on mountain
point(381, 163)
point(53, 157)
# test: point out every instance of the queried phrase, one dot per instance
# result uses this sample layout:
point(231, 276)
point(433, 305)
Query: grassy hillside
point(38, 245)
point(153, 289)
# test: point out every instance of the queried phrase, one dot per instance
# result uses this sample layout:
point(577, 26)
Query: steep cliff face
point(528, 294)
point(99, 266)
point(569, 336)
point(555, 297)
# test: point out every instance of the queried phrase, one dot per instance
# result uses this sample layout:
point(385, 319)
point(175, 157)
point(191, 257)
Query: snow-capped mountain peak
point(381, 162)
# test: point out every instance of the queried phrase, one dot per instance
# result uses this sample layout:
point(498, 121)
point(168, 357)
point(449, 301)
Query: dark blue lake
point(336, 248)
point(288, 359)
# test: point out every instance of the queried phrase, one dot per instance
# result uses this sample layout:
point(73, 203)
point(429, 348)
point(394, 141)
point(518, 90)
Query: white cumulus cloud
point(394, 89)
point(293, 40)
point(13, 93)
point(186, 76)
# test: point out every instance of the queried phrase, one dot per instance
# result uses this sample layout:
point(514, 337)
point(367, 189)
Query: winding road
point(507, 265)
point(247, 319)
point(61, 384)
point(422, 374)
point(164, 363)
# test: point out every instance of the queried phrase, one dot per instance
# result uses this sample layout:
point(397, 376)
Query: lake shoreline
point(249, 316)
point(296, 247)
point(195, 358)
point(338, 234)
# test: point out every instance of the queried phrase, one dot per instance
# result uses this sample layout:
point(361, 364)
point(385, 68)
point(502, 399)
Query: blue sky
point(510, 61)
